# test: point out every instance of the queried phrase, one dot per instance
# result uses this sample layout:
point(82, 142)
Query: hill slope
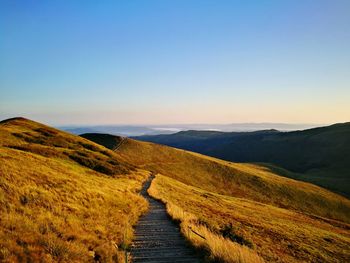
point(63, 198)
point(260, 207)
point(319, 155)
point(107, 140)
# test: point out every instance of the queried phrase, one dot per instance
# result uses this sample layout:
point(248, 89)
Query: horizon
point(175, 63)
point(170, 124)
point(141, 130)
point(183, 124)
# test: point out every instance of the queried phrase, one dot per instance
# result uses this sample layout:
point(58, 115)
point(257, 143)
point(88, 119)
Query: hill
point(319, 155)
point(63, 198)
point(107, 140)
point(282, 219)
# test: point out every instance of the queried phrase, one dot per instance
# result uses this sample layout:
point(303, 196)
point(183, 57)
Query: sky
point(168, 62)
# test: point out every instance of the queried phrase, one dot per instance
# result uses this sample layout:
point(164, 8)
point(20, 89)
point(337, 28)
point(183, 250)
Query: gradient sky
point(157, 62)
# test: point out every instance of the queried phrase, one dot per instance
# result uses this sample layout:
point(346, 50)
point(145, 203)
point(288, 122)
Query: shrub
point(89, 146)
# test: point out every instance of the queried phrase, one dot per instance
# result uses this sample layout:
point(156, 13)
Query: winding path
point(157, 238)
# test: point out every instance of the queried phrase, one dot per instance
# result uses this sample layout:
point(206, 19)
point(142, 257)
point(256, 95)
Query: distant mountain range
point(138, 130)
point(318, 155)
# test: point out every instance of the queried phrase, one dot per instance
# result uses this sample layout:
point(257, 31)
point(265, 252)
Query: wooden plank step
point(155, 250)
point(164, 254)
point(169, 259)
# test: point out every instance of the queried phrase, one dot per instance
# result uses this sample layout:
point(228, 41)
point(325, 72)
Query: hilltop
point(257, 207)
point(318, 155)
point(63, 198)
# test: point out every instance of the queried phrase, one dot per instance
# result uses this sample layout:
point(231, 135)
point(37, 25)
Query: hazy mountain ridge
point(140, 130)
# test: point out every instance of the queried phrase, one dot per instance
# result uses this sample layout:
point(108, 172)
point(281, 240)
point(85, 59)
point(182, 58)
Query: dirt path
point(157, 238)
point(123, 139)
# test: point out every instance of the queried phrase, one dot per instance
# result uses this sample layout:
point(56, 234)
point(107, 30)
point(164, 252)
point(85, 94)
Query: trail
point(157, 238)
point(123, 139)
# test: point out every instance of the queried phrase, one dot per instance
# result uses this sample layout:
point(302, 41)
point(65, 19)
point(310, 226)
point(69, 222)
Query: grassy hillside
point(277, 234)
point(319, 155)
point(263, 210)
point(63, 198)
point(249, 181)
point(107, 140)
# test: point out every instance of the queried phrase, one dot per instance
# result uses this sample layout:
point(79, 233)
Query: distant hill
point(318, 155)
point(121, 130)
point(107, 140)
point(137, 130)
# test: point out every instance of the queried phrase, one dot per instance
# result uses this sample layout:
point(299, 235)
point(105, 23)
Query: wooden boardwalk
point(157, 238)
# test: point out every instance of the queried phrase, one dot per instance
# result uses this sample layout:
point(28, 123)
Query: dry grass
point(276, 234)
point(284, 220)
point(248, 181)
point(55, 209)
point(219, 248)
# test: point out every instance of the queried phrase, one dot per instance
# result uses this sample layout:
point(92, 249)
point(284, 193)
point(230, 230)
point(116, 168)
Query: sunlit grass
point(54, 209)
point(248, 181)
point(275, 234)
point(219, 248)
point(280, 218)
point(66, 199)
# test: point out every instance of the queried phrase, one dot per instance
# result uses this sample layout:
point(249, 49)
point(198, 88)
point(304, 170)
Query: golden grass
point(220, 249)
point(29, 136)
point(275, 234)
point(55, 209)
point(248, 181)
point(64, 198)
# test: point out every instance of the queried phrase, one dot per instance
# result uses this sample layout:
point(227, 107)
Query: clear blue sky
point(157, 62)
